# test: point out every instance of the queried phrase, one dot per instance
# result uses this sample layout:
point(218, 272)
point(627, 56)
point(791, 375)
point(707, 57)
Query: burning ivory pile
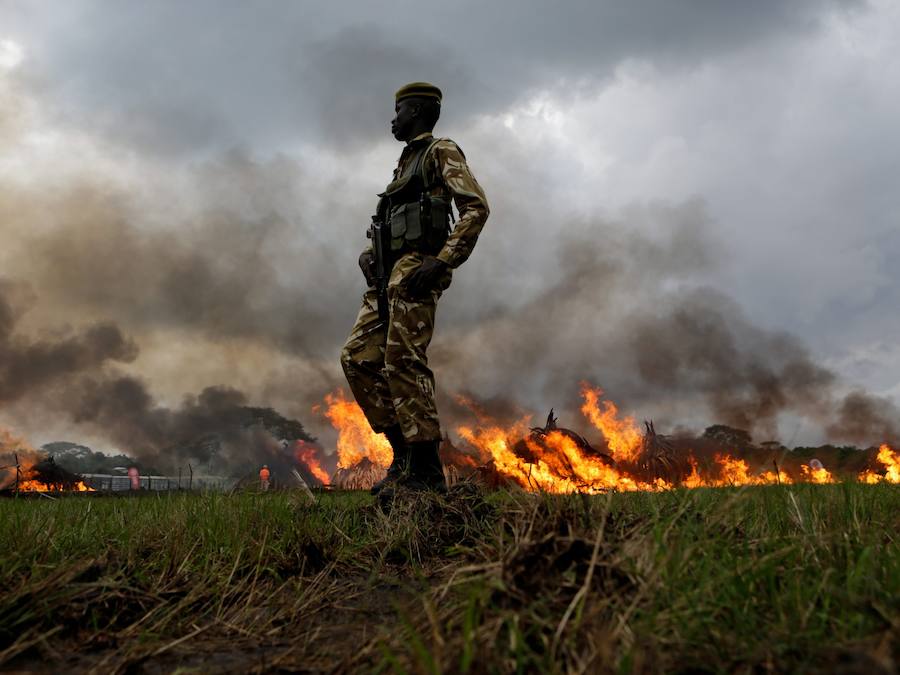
point(31, 472)
point(554, 459)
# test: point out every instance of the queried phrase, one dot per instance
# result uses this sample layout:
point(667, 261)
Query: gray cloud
point(169, 76)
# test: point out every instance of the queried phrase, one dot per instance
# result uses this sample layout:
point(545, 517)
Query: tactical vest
point(417, 220)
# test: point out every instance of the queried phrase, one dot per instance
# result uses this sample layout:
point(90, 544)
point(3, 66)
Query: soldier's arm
point(470, 201)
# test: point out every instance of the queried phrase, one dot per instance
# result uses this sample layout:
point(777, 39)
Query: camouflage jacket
point(457, 182)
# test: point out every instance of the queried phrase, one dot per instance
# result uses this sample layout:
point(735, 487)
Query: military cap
point(418, 89)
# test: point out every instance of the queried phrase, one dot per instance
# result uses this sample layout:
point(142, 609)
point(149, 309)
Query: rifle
point(380, 234)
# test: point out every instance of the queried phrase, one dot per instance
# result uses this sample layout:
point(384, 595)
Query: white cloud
point(11, 54)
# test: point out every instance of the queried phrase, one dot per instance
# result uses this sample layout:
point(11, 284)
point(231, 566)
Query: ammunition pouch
point(422, 225)
point(418, 221)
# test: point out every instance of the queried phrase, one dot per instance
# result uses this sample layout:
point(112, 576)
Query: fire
point(780, 478)
point(306, 454)
point(622, 435)
point(890, 460)
point(816, 475)
point(356, 439)
point(728, 471)
point(560, 461)
point(28, 480)
point(734, 471)
point(694, 479)
point(494, 443)
point(557, 464)
point(19, 460)
point(38, 486)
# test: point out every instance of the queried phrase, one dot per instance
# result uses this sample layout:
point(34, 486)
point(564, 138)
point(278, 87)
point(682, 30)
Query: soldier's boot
point(400, 464)
point(425, 469)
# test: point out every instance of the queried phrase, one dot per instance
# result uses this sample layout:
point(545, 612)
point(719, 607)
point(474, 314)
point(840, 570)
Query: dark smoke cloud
point(29, 364)
point(702, 343)
point(863, 416)
point(70, 373)
point(214, 429)
point(235, 268)
point(630, 314)
point(625, 310)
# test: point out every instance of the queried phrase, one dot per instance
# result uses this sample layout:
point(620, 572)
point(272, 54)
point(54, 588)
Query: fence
point(116, 483)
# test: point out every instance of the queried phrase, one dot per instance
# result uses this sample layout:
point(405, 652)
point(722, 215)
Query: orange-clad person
point(264, 477)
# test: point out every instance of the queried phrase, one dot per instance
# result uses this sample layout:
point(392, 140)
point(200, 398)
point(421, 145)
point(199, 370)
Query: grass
point(800, 578)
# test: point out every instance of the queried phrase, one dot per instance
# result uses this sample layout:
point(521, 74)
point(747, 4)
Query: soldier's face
point(402, 124)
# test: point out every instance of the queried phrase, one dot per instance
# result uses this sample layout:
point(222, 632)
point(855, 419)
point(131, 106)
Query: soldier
point(407, 268)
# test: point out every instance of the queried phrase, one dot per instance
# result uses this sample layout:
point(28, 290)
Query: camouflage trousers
point(386, 366)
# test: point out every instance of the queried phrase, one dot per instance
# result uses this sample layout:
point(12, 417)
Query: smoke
point(30, 364)
point(627, 310)
point(864, 416)
point(215, 429)
point(631, 314)
point(701, 343)
point(237, 279)
point(225, 272)
point(70, 373)
point(14, 451)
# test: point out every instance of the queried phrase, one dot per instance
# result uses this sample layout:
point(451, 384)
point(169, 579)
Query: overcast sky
point(200, 175)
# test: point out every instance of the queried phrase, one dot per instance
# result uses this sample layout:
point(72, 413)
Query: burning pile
point(558, 460)
point(890, 460)
point(363, 455)
point(361, 476)
point(25, 470)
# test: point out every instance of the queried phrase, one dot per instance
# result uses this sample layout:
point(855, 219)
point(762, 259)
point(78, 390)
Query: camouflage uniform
point(386, 366)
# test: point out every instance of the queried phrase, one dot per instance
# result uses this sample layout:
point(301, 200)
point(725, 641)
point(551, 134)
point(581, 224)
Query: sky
point(693, 206)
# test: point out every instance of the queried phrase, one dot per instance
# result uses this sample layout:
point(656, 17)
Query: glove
point(425, 277)
point(367, 265)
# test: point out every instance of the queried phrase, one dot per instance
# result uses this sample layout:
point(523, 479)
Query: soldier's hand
point(425, 277)
point(367, 265)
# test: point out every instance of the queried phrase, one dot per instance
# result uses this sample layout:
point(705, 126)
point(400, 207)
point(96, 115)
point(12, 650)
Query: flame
point(733, 471)
point(821, 475)
point(306, 454)
point(30, 485)
point(356, 439)
point(558, 464)
point(622, 435)
point(694, 479)
point(773, 478)
point(553, 461)
point(494, 442)
point(890, 460)
point(15, 450)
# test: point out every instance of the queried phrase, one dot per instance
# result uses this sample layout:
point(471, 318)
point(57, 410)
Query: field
point(802, 578)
